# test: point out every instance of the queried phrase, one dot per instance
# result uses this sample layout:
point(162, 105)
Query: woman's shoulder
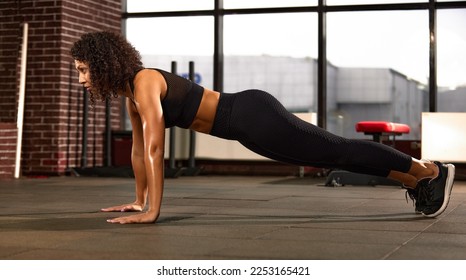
point(147, 76)
point(149, 79)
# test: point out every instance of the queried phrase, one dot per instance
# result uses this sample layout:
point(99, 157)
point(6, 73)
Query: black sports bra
point(182, 100)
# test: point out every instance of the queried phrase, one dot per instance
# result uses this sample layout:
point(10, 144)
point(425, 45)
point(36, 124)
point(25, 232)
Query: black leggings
point(261, 123)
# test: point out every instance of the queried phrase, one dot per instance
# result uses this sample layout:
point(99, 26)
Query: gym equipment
point(192, 170)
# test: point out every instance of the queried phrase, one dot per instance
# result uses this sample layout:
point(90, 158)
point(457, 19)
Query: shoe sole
point(448, 188)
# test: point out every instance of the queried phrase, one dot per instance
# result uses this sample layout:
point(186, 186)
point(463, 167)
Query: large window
point(379, 65)
point(273, 52)
point(175, 39)
point(451, 74)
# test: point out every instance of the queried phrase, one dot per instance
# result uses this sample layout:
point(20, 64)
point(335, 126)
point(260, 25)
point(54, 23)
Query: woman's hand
point(143, 218)
point(130, 207)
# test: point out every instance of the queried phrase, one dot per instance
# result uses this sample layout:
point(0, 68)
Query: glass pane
point(275, 53)
point(172, 43)
point(238, 4)
point(379, 69)
point(451, 60)
point(134, 6)
point(351, 2)
point(179, 35)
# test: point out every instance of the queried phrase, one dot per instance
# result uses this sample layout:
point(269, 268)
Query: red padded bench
point(378, 129)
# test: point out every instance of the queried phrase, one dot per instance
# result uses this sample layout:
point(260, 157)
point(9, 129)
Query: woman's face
point(84, 74)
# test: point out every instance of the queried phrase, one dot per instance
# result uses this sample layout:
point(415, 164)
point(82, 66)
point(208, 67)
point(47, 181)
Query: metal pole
point(171, 156)
point(22, 93)
point(432, 57)
point(322, 67)
point(192, 170)
point(218, 46)
point(192, 134)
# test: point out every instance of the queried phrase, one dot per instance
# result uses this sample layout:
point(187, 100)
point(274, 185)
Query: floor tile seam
point(30, 249)
point(226, 206)
point(354, 229)
point(362, 200)
point(296, 242)
point(11, 256)
point(218, 253)
point(436, 220)
point(51, 214)
point(278, 228)
point(397, 248)
point(272, 200)
point(343, 196)
point(336, 243)
point(222, 199)
point(228, 217)
point(370, 200)
point(255, 215)
point(329, 241)
point(327, 217)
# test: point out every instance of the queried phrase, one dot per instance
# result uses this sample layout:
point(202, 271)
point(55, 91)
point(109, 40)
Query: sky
point(396, 39)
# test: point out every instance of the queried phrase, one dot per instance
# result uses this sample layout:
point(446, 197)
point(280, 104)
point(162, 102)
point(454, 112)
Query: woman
point(109, 66)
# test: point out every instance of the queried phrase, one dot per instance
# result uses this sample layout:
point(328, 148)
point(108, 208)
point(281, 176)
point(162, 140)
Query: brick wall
point(8, 133)
point(9, 47)
point(53, 105)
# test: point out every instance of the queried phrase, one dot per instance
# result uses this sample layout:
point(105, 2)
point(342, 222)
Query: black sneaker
point(417, 195)
point(438, 190)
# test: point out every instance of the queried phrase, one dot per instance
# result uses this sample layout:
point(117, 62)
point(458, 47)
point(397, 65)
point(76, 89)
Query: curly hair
point(112, 62)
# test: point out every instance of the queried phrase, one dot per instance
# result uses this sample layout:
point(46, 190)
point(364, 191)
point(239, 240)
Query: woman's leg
point(262, 124)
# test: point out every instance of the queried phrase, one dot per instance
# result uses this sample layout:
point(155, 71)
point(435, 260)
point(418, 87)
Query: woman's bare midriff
point(205, 115)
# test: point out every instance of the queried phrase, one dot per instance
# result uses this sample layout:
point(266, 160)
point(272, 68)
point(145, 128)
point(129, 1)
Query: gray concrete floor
point(226, 218)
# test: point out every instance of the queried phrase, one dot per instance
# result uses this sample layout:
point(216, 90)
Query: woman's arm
point(137, 161)
point(148, 88)
point(137, 155)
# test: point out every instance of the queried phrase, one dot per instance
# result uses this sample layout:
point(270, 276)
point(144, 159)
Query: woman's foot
point(437, 190)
